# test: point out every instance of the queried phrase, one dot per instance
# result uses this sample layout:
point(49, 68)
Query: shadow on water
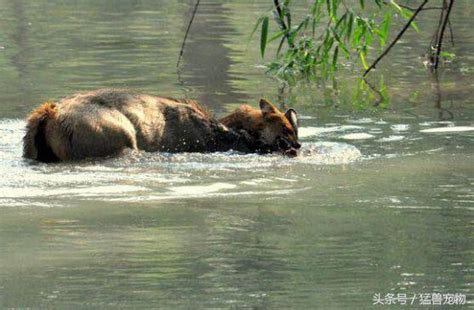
point(207, 60)
point(21, 60)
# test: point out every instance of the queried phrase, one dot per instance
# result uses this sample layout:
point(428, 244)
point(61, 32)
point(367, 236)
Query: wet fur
point(263, 124)
point(105, 122)
point(39, 126)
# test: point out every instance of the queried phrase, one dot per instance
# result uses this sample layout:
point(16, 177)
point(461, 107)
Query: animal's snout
point(288, 148)
point(291, 152)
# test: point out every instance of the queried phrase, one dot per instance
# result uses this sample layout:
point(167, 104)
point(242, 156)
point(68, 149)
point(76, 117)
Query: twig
point(186, 34)
point(438, 101)
point(424, 9)
point(440, 40)
point(282, 23)
point(451, 34)
point(375, 90)
point(409, 8)
point(400, 34)
point(434, 40)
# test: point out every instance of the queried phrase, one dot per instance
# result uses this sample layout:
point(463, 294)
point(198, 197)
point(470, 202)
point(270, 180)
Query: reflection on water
point(379, 200)
point(207, 60)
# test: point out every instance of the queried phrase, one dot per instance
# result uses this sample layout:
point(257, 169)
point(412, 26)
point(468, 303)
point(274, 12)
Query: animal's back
point(104, 122)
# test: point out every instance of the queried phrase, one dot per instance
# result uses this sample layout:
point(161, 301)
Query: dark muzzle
point(288, 148)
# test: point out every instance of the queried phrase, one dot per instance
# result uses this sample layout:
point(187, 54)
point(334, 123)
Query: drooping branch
point(438, 101)
point(409, 8)
point(381, 97)
point(451, 34)
point(186, 33)
point(284, 27)
point(434, 40)
point(400, 34)
point(424, 9)
point(439, 45)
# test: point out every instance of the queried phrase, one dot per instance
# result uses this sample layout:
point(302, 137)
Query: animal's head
point(278, 131)
point(266, 129)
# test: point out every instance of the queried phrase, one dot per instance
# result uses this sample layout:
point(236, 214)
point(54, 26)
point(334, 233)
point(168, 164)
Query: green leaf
point(264, 35)
point(329, 7)
point(334, 57)
point(447, 55)
point(396, 6)
point(340, 43)
point(414, 26)
point(276, 36)
point(405, 14)
point(278, 19)
point(292, 37)
point(343, 18)
point(288, 18)
point(303, 23)
point(359, 32)
point(362, 5)
point(350, 22)
point(259, 21)
point(316, 9)
point(368, 38)
point(362, 59)
point(280, 45)
point(383, 34)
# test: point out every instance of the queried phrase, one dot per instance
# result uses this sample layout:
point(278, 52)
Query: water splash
point(142, 176)
point(448, 129)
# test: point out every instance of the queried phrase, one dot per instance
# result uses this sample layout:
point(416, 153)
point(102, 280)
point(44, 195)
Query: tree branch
point(434, 40)
point(424, 9)
point(451, 34)
point(414, 9)
point(186, 33)
point(440, 39)
point(375, 90)
point(400, 34)
point(282, 23)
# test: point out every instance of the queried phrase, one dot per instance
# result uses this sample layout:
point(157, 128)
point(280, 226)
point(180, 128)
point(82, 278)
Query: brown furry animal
point(105, 122)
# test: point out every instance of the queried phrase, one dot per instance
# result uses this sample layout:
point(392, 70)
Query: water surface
point(380, 200)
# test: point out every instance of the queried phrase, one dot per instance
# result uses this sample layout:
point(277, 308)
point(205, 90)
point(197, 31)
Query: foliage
point(447, 56)
point(330, 29)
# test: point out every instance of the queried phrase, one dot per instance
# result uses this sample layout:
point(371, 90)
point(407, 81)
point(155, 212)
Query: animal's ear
point(267, 107)
point(292, 117)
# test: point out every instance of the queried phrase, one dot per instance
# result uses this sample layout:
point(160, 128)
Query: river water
point(380, 201)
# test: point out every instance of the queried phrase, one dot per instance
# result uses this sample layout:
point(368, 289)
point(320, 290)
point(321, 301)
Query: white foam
point(142, 176)
point(305, 132)
point(391, 139)
point(400, 127)
point(11, 192)
point(358, 136)
point(448, 129)
point(447, 123)
point(200, 190)
point(328, 153)
point(365, 120)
